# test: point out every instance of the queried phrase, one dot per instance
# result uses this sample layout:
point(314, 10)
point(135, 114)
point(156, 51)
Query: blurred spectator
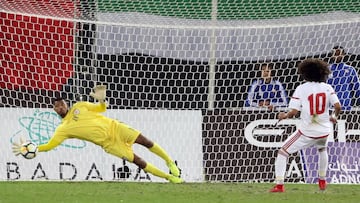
point(266, 92)
point(344, 79)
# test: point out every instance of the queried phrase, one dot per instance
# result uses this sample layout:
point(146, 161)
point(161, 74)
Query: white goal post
point(189, 64)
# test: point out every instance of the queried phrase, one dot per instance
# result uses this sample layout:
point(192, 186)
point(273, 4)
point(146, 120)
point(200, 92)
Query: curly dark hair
point(314, 70)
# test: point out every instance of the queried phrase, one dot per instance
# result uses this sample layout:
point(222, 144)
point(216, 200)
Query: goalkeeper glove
point(99, 93)
point(16, 146)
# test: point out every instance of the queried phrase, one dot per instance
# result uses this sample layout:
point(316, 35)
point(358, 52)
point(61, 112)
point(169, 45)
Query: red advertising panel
point(35, 52)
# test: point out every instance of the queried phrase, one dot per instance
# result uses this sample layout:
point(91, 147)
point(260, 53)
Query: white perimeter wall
point(178, 132)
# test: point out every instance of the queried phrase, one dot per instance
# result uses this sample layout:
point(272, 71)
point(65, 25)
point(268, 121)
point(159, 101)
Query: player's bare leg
point(158, 150)
point(148, 167)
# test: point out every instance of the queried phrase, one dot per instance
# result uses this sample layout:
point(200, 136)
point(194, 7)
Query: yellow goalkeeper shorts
point(123, 137)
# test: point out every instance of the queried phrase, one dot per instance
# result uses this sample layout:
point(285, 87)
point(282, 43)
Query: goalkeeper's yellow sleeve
point(52, 143)
point(100, 107)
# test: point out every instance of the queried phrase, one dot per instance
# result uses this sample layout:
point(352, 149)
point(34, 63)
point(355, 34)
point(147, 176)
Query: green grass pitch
point(123, 192)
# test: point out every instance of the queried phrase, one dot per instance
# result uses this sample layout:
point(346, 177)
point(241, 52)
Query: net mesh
point(184, 55)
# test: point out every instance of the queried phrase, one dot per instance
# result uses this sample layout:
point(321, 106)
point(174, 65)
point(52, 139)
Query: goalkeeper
point(84, 121)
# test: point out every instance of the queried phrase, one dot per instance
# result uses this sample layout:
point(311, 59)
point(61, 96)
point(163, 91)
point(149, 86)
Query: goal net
point(180, 71)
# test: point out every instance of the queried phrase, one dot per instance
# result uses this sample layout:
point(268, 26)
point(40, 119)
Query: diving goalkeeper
point(84, 121)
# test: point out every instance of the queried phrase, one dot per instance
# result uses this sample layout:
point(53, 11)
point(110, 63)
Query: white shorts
point(298, 141)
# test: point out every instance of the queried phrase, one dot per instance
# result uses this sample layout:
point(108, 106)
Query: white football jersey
point(314, 100)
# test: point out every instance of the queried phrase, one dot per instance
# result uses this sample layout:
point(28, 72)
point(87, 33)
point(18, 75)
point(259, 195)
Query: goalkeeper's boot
point(174, 170)
point(174, 179)
point(322, 184)
point(278, 188)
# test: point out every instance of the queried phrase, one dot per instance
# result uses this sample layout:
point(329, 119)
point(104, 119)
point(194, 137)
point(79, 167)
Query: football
point(29, 150)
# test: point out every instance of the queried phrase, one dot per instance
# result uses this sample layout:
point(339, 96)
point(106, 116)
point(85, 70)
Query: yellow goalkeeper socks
point(156, 149)
point(155, 171)
point(169, 162)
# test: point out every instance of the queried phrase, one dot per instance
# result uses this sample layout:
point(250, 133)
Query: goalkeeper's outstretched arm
point(100, 107)
point(55, 141)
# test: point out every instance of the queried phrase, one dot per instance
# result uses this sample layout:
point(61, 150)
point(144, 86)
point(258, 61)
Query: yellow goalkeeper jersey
point(84, 121)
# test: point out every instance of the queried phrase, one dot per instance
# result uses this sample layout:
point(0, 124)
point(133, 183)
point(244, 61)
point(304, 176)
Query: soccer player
point(344, 79)
point(84, 121)
point(313, 99)
point(266, 91)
